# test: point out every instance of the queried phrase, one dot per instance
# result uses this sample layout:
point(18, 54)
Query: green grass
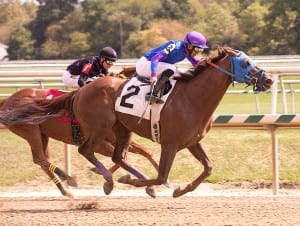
point(236, 155)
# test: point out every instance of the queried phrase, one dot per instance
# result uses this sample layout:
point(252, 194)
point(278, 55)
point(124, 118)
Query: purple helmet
point(196, 39)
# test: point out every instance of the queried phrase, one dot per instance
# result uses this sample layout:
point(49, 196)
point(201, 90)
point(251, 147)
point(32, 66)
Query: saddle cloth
point(132, 102)
point(50, 94)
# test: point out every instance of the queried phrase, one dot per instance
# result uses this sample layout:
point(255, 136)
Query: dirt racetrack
point(133, 207)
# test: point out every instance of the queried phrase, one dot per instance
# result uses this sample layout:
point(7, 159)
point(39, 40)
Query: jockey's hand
point(153, 80)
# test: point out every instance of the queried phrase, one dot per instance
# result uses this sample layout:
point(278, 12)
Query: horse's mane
point(203, 65)
point(126, 73)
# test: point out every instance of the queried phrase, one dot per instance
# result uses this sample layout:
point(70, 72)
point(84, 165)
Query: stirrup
point(154, 99)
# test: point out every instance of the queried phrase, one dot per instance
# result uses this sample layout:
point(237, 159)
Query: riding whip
point(149, 101)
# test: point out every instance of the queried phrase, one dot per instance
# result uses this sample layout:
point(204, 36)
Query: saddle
point(146, 80)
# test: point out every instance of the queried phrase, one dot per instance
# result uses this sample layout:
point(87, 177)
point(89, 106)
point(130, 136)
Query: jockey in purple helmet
point(159, 62)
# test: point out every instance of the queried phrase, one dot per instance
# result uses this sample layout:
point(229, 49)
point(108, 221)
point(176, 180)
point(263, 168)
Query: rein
point(222, 70)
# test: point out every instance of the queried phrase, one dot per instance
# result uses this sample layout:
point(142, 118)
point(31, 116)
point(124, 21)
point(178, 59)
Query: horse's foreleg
point(199, 153)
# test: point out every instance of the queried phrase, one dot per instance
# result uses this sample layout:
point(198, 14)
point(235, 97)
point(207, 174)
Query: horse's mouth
point(262, 81)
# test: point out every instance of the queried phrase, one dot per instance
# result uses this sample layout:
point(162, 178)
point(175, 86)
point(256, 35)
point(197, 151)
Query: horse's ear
point(230, 51)
point(222, 50)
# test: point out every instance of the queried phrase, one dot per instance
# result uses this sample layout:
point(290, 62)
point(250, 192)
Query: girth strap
point(75, 131)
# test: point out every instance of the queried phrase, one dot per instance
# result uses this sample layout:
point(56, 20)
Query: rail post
point(275, 164)
point(67, 158)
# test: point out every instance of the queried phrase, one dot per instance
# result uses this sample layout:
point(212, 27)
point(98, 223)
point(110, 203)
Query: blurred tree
point(170, 29)
point(175, 9)
point(65, 39)
point(219, 26)
point(251, 24)
point(20, 44)
point(112, 21)
point(12, 15)
point(48, 13)
point(79, 45)
point(142, 41)
point(282, 30)
point(72, 28)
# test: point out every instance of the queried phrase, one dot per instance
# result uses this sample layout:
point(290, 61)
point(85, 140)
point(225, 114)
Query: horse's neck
point(207, 89)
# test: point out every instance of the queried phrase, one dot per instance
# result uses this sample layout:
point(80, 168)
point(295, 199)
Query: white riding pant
point(71, 81)
point(143, 67)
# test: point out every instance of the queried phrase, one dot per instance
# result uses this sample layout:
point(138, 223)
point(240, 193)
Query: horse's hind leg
point(38, 152)
point(199, 153)
point(123, 137)
point(39, 158)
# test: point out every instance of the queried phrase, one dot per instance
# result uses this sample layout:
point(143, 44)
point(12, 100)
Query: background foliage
point(70, 28)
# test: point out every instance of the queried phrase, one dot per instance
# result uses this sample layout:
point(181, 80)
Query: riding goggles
point(198, 49)
point(109, 62)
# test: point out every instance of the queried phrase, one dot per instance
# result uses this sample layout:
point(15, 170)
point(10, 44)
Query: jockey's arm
point(84, 75)
point(154, 62)
point(193, 60)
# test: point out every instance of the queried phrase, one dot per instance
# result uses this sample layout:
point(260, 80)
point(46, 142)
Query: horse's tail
point(38, 111)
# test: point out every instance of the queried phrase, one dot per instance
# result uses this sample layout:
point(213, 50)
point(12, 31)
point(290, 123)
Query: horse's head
point(244, 69)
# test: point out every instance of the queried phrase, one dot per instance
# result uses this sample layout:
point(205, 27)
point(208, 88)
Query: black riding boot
point(160, 84)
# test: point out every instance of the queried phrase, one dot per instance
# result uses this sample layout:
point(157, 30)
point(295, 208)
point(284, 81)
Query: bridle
point(254, 77)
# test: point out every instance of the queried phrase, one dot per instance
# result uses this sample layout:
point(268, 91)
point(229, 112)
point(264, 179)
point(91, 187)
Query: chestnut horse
point(60, 129)
point(184, 119)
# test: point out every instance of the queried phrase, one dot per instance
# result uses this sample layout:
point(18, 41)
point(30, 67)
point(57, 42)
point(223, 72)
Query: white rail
point(264, 122)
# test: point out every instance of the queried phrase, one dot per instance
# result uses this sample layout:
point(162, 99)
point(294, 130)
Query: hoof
point(67, 194)
point(167, 185)
point(177, 192)
point(108, 187)
point(151, 192)
point(124, 179)
point(72, 182)
point(70, 195)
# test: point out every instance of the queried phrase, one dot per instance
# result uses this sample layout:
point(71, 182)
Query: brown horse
point(184, 119)
point(38, 136)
